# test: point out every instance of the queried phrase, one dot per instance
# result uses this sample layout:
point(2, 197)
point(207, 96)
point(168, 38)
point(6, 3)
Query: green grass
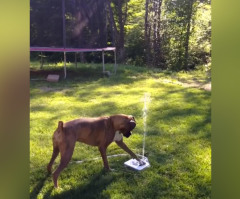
point(178, 141)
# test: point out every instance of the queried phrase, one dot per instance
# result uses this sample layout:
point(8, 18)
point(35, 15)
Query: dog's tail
point(60, 126)
point(57, 136)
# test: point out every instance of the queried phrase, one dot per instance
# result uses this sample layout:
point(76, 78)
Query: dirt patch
point(207, 87)
point(204, 86)
point(47, 89)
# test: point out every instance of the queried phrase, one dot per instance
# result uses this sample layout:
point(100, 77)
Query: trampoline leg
point(103, 61)
point(65, 70)
point(41, 60)
point(115, 62)
point(76, 59)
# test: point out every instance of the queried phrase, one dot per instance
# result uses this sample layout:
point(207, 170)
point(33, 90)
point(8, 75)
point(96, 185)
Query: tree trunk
point(147, 34)
point(154, 33)
point(112, 23)
point(159, 45)
point(121, 32)
point(186, 45)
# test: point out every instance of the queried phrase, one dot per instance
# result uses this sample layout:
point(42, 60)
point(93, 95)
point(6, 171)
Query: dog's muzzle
point(132, 124)
point(128, 134)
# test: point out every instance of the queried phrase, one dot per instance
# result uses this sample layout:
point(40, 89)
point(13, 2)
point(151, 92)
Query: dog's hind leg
point(54, 155)
point(66, 156)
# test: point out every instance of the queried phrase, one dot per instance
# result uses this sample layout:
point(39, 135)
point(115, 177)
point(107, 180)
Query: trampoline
point(76, 50)
point(73, 26)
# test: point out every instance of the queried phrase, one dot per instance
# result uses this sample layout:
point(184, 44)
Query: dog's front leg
point(122, 145)
point(104, 157)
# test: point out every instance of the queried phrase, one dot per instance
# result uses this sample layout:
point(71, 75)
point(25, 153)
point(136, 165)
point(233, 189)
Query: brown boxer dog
point(100, 132)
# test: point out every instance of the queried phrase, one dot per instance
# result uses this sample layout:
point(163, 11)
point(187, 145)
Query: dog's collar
point(118, 136)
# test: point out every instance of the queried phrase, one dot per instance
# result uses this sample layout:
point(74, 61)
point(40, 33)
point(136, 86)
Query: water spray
point(133, 163)
point(147, 99)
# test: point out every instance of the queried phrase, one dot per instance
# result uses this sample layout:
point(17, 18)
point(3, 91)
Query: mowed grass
point(178, 141)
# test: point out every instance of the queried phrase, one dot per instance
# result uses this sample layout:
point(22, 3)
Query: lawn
point(178, 141)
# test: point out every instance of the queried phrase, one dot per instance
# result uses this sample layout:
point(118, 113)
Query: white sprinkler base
point(133, 163)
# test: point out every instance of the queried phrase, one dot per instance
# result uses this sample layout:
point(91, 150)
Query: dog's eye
point(130, 117)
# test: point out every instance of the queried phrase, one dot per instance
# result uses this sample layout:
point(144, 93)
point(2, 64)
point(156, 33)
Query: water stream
point(147, 100)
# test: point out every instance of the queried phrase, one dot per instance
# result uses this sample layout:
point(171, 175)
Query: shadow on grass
point(36, 190)
point(72, 72)
point(92, 189)
point(125, 75)
point(83, 89)
point(168, 152)
point(177, 166)
point(195, 104)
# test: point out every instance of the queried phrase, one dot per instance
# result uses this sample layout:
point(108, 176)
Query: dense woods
point(166, 34)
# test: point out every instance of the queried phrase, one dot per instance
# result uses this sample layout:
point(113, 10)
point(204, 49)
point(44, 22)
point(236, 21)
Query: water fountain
point(133, 163)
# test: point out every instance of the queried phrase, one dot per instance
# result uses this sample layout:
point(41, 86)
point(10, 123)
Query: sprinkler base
point(133, 163)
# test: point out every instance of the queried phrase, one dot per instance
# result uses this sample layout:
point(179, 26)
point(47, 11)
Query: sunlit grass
point(178, 142)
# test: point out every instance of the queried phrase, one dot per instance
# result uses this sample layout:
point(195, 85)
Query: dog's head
point(124, 123)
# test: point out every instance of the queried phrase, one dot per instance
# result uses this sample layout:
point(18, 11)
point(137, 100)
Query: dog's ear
point(132, 118)
point(60, 125)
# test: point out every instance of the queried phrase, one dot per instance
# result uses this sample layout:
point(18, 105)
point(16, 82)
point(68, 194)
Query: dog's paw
point(108, 170)
point(141, 163)
point(112, 170)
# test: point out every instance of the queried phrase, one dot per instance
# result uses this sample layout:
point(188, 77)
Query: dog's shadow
point(92, 189)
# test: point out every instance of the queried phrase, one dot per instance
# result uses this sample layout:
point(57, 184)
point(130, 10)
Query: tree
point(153, 45)
point(182, 27)
point(174, 34)
point(189, 13)
point(119, 10)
